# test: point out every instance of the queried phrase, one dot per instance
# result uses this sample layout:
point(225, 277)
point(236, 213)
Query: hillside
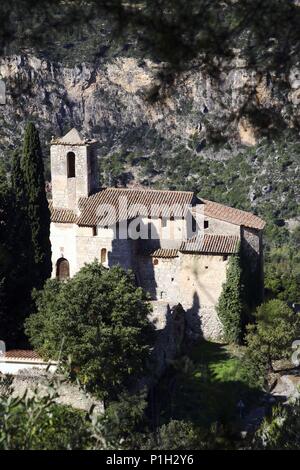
point(232, 136)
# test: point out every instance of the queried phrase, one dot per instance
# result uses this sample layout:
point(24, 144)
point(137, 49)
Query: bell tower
point(73, 169)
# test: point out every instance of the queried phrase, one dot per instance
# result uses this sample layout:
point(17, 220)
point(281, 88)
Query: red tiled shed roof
point(62, 215)
point(162, 253)
point(232, 215)
point(22, 354)
point(218, 244)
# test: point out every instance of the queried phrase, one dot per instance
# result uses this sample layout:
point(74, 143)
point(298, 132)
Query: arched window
point(62, 269)
point(71, 164)
point(103, 255)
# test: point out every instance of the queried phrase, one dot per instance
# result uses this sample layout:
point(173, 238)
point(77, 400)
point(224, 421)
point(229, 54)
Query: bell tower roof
point(71, 138)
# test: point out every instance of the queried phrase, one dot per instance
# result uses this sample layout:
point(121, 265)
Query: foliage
point(123, 425)
point(230, 306)
point(282, 274)
point(174, 31)
point(104, 320)
point(24, 237)
point(280, 431)
point(35, 422)
point(270, 339)
point(31, 180)
point(113, 170)
point(196, 386)
point(176, 435)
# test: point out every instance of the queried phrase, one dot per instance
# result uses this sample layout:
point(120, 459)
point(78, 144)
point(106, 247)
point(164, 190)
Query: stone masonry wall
point(193, 280)
point(67, 191)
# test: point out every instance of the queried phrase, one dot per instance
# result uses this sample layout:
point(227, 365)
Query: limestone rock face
point(247, 132)
point(115, 101)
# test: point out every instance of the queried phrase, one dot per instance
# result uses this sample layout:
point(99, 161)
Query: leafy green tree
point(36, 422)
point(30, 176)
point(282, 273)
point(102, 318)
point(270, 339)
point(230, 305)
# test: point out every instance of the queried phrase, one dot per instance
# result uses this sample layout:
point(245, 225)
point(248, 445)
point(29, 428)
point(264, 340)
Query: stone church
point(177, 244)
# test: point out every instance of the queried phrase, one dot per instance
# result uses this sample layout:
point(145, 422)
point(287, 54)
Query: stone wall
point(194, 280)
point(63, 245)
point(118, 251)
point(68, 394)
point(252, 260)
point(170, 328)
point(252, 247)
point(67, 191)
point(220, 227)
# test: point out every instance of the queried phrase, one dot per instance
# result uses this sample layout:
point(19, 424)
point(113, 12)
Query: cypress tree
point(21, 232)
point(230, 305)
point(38, 214)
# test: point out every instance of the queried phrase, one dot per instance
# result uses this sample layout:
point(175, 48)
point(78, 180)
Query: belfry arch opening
point(71, 165)
point(62, 269)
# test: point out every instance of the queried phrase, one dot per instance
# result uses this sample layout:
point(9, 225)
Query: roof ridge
point(148, 189)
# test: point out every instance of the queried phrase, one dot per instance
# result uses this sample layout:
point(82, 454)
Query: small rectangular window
point(164, 222)
point(71, 164)
point(94, 231)
point(103, 255)
point(206, 224)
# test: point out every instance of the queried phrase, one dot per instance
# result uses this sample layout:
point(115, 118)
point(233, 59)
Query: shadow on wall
point(252, 269)
point(194, 323)
point(144, 267)
point(170, 327)
point(127, 252)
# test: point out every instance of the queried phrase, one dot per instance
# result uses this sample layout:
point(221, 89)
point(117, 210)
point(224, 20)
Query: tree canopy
point(98, 319)
point(176, 31)
point(270, 339)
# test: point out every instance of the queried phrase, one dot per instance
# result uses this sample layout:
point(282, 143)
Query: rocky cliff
point(147, 128)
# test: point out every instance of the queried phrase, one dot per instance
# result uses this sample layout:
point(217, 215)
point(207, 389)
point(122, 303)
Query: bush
point(35, 422)
point(270, 339)
point(99, 319)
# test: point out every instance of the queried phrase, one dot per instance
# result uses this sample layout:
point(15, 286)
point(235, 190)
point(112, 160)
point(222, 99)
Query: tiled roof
point(62, 215)
point(22, 354)
point(156, 201)
point(231, 215)
point(71, 138)
point(221, 244)
point(152, 202)
point(163, 253)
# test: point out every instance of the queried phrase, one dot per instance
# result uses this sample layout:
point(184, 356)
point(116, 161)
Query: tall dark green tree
point(32, 184)
point(230, 305)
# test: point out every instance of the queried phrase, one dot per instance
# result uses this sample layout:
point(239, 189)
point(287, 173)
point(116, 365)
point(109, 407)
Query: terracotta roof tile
point(22, 354)
point(156, 201)
point(62, 215)
point(218, 244)
point(232, 215)
point(162, 253)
